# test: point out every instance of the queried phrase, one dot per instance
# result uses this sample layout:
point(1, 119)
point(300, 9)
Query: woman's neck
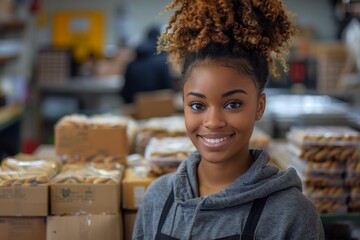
point(214, 177)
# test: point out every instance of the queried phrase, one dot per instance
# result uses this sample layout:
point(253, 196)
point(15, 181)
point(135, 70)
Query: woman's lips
point(214, 142)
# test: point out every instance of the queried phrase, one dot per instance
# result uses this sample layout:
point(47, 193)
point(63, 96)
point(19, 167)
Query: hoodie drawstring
point(197, 210)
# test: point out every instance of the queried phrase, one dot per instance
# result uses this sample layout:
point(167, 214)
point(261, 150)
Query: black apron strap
point(168, 204)
point(253, 218)
point(250, 225)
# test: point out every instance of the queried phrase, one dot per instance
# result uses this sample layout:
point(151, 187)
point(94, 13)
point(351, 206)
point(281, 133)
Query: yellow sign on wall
point(83, 31)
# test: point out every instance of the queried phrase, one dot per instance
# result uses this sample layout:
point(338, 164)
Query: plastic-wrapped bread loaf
point(87, 174)
point(164, 155)
point(28, 170)
point(23, 178)
point(94, 158)
point(160, 127)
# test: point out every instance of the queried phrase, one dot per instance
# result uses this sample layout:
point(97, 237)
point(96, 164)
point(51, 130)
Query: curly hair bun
point(263, 26)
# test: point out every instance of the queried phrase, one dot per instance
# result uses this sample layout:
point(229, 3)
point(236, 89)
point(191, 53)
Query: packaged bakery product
point(88, 174)
point(24, 193)
point(320, 153)
point(323, 180)
point(28, 170)
point(24, 178)
point(353, 169)
point(82, 135)
point(173, 124)
point(164, 155)
point(313, 168)
point(86, 188)
point(352, 176)
point(328, 199)
point(327, 193)
point(324, 135)
point(159, 127)
point(94, 158)
point(330, 206)
point(354, 201)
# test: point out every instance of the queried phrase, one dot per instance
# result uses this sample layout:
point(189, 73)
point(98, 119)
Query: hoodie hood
point(223, 215)
point(258, 181)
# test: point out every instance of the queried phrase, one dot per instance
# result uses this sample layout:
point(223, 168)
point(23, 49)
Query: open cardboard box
point(75, 139)
point(134, 187)
point(24, 201)
point(158, 103)
point(88, 198)
point(81, 227)
point(20, 228)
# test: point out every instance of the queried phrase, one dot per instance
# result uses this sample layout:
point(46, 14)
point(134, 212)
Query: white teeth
point(215, 140)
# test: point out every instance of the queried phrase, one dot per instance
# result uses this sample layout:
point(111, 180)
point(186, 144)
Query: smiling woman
point(226, 190)
point(221, 107)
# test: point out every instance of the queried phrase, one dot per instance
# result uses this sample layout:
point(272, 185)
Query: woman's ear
point(261, 106)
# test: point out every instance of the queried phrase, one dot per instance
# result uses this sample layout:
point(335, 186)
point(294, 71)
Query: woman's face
point(221, 106)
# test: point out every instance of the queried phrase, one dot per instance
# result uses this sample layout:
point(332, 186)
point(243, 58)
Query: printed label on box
point(70, 138)
point(12, 193)
point(71, 194)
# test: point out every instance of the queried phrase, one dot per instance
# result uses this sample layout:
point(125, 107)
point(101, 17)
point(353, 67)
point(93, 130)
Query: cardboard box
point(20, 228)
point(134, 186)
point(88, 198)
point(24, 201)
point(129, 222)
point(154, 104)
point(84, 227)
point(80, 139)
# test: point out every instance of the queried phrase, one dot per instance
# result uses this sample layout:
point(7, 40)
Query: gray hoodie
point(287, 214)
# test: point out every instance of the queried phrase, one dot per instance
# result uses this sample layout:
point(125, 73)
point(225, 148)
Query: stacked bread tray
point(321, 154)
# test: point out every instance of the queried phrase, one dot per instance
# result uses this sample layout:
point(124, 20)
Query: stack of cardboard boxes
point(24, 190)
point(134, 185)
point(104, 165)
point(85, 197)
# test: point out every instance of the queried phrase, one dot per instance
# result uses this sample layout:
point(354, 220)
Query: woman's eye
point(233, 105)
point(197, 106)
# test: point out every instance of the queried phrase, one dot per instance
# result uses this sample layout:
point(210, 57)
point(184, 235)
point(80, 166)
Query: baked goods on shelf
point(326, 158)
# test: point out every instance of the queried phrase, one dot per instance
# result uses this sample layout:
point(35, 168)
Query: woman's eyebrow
point(229, 93)
point(196, 94)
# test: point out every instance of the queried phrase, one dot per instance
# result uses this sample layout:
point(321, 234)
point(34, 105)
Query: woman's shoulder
point(292, 200)
point(160, 187)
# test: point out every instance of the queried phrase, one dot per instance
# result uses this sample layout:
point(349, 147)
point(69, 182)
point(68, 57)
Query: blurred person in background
point(149, 71)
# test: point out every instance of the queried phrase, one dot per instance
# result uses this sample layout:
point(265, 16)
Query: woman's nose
point(214, 119)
